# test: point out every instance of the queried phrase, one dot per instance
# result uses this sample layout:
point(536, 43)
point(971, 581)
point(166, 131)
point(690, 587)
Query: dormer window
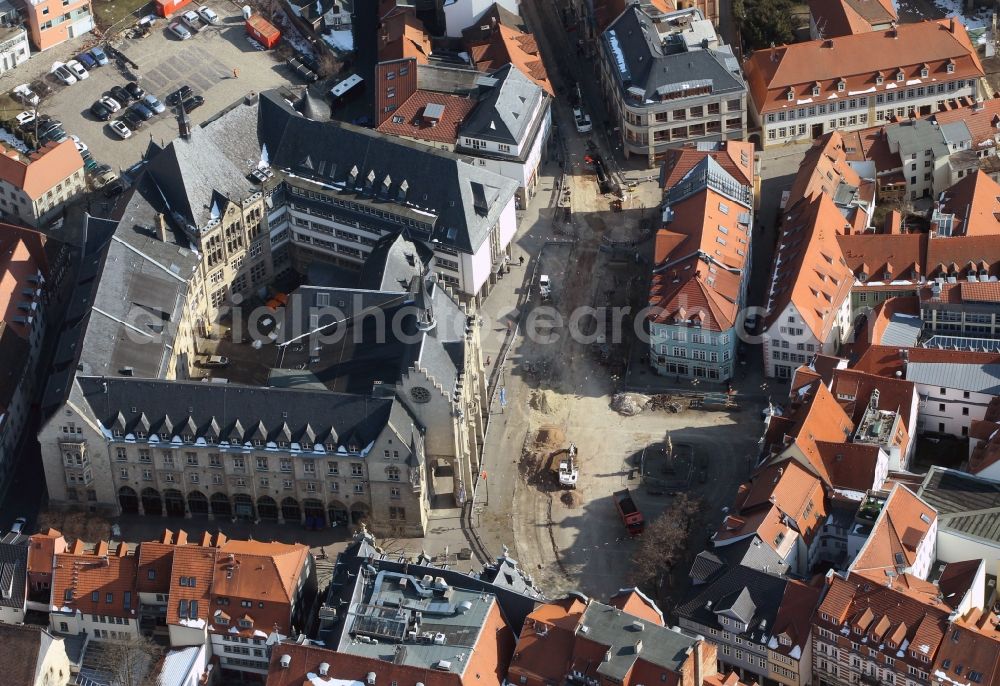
point(791, 94)
point(164, 436)
point(950, 68)
point(879, 80)
point(140, 434)
point(924, 72)
point(188, 438)
point(117, 433)
point(900, 75)
point(841, 85)
point(815, 90)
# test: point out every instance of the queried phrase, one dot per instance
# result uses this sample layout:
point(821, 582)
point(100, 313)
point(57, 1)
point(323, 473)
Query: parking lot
point(206, 62)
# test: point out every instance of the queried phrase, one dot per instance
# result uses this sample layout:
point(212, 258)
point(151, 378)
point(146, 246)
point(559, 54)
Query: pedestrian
point(488, 358)
point(236, 73)
point(520, 260)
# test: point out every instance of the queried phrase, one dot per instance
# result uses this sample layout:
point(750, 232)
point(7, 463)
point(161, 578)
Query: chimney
point(699, 677)
point(951, 24)
point(161, 226)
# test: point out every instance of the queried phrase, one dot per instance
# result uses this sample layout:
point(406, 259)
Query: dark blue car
point(87, 60)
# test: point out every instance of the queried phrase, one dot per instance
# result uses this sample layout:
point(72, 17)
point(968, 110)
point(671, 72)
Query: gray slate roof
point(234, 413)
point(199, 172)
point(392, 264)
point(966, 504)
point(642, 61)
point(503, 113)
point(977, 378)
point(750, 594)
point(13, 570)
point(609, 626)
point(360, 353)
point(459, 201)
point(903, 330)
point(750, 552)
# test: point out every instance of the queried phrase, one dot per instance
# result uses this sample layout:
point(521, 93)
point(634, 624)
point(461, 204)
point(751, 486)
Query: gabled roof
point(304, 662)
point(846, 17)
point(793, 618)
point(86, 580)
point(13, 570)
point(752, 596)
point(23, 650)
point(810, 272)
point(653, 66)
point(975, 202)
point(857, 59)
point(825, 170)
point(971, 647)
point(735, 157)
point(428, 116)
point(902, 525)
point(450, 201)
point(982, 120)
point(42, 549)
point(39, 173)
point(509, 45)
point(701, 252)
point(505, 108)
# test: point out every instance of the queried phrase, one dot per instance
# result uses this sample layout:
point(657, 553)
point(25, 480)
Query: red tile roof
point(972, 645)
point(887, 360)
point(52, 164)
point(975, 202)
point(810, 272)
point(698, 262)
point(508, 45)
point(982, 292)
point(83, 580)
point(402, 36)
point(983, 120)
point(902, 525)
point(794, 614)
point(191, 575)
point(824, 167)
point(408, 121)
point(846, 17)
point(902, 256)
point(736, 157)
point(857, 60)
point(304, 662)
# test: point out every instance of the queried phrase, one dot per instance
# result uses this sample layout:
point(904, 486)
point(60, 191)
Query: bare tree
point(327, 63)
point(664, 542)
point(129, 662)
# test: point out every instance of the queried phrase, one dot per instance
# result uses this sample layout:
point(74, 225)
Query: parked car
point(100, 110)
point(46, 125)
point(56, 135)
point(193, 21)
point(215, 362)
point(121, 129)
point(102, 179)
point(193, 103)
point(208, 15)
point(142, 111)
point(25, 95)
point(111, 103)
point(18, 526)
point(87, 60)
point(78, 71)
point(64, 74)
point(179, 30)
point(81, 147)
point(90, 163)
point(99, 55)
point(180, 95)
point(121, 95)
point(152, 103)
point(134, 90)
point(132, 119)
point(25, 118)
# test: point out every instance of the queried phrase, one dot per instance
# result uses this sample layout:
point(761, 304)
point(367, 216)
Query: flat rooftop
point(417, 621)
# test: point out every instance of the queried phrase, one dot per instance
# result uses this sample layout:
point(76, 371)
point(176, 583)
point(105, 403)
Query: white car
point(121, 129)
point(78, 70)
point(111, 103)
point(25, 94)
point(25, 118)
point(61, 72)
point(18, 525)
point(582, 120)
point(208, 14)
point(80, 145)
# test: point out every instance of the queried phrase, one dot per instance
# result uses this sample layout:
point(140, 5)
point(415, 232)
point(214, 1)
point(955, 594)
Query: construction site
point(572, 460)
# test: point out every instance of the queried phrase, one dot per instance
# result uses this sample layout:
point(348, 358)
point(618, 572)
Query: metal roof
point(966, 504)
point(977, 378)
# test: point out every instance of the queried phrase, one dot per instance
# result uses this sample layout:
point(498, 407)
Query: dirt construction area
point(561, 391)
